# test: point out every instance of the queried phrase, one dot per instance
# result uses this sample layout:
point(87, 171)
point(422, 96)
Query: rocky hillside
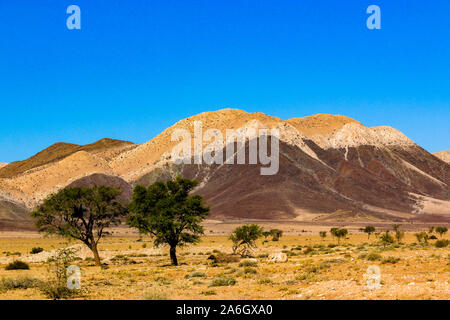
point(331, 168)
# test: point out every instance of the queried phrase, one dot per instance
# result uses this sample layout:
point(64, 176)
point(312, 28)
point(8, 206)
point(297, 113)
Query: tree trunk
point(96, 255)
point(173, 255)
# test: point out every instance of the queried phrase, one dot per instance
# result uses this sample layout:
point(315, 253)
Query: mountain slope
point(59, 151)
point(331, 167)
point(443, 155)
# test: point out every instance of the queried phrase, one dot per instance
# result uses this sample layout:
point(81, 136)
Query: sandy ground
point(137, 270)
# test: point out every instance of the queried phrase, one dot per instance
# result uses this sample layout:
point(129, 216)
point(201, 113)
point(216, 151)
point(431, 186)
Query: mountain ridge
point(331, 167)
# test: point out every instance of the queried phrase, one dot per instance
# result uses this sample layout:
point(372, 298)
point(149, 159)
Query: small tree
point(399, 234)
point(333, 231)
point(323, 234)
point(81, 213)
point(339, 233)
point(430, 230)
point(166, 211)
point(244, 238)
point(386, 239)
point(422, 237)
point(369, 230)
point(441, 231)
point(276, 234)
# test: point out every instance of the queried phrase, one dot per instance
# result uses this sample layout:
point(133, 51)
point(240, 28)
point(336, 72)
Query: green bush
point(17, 265)
point(221, 281)
point(36, 250)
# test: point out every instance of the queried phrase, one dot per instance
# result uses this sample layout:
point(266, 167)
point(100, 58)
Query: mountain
point(105, 148)
point(331, 168)
point(443, 155)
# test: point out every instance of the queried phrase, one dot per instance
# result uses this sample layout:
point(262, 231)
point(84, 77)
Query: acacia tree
point(323, 234)
point(167, 212)
point(386, 239)
point(441, 231)
point(244, 238)
point(369, 230)
point(399, 234)
point(81, 213)
point(339, 233)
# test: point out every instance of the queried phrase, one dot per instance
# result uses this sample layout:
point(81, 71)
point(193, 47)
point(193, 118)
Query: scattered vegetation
point(17, 265)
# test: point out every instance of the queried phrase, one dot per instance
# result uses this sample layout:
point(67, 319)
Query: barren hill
point(104, 148)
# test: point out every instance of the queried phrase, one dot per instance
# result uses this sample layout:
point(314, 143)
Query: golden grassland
point(316, 269)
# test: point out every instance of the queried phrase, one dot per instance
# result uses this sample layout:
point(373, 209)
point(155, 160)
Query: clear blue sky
point(136, 67)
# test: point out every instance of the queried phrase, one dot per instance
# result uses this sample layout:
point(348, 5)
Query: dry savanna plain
point(317, 268)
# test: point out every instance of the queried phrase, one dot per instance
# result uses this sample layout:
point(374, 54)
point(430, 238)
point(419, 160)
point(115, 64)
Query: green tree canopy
point(339, 233)
point(369, 230)
point(81, 213)
point(441, 231)
point(166, 211)
point(244, 238)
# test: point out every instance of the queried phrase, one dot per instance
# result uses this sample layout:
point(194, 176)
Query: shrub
point(36, 250)
point(248, 263)
point(373, 256)
point(221, 281)
point(56, 286)
point(264, 255)
point(54, 290)
point(208, 293)
point(155, 295)
point(392, 260)
point(19, 283)
point(196, 274)
point(441, 243)
point(249, 270)
point(17, 265)
point(265, 281)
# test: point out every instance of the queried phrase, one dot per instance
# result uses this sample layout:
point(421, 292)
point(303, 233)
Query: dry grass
point(324, 272)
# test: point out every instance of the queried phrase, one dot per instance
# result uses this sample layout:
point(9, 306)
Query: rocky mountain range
point(331, 168)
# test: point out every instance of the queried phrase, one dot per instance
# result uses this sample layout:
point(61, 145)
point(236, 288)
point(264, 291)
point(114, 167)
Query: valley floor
point(316, 269)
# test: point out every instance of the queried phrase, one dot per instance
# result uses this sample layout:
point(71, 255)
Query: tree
point(333, 231)
point(276, 234)
point(323, 234)
point(386, 239)
point(244, 238)
point(369, 230)
point(422, 236)
point(339, 233)
point(430, 230)
point(399, 234)
point(81, 213)
point(167, 212)
point(441, 231)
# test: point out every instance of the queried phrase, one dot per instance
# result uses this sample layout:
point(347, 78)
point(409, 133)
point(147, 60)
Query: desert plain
point(317, 268)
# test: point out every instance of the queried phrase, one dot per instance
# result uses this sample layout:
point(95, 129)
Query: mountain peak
point(320, 124)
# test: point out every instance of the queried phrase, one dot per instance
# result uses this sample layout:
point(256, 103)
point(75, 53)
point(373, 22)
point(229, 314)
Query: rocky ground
point(316, 269)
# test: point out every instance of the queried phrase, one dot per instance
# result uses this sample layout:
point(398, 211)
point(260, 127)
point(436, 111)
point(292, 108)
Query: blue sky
point(137, 67)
